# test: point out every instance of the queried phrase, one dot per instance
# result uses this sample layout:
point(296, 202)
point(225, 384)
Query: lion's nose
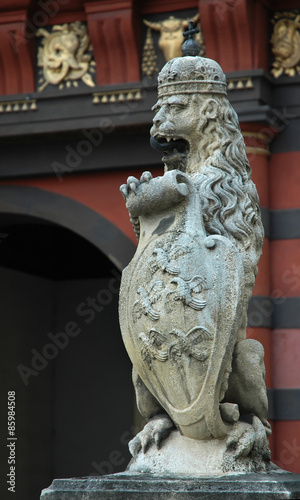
point(160, 116)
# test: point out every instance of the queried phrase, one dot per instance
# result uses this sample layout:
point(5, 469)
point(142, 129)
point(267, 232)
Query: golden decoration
point(18, 106)
point(149, 60)
point(63, 56)
point(285, 42)
point(239, 83)
point(262, 139)
point(170, 41)
point(117, 96)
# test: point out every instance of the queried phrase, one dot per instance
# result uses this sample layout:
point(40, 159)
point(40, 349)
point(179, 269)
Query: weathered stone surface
point(271, 486)
point(193, 457)
point(184, 296)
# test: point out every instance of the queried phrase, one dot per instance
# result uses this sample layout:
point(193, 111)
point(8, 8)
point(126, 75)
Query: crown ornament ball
point(190, 47)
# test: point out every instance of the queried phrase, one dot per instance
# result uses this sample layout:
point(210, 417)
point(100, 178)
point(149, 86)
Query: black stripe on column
point(264, 312)
point(271, 412)
point(281, 224)
point(260, 311)
point(284, 404)
point(285, 224)
point(286, 312)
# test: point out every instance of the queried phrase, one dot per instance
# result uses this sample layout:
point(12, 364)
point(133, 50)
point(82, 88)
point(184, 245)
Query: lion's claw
point(155, 431)
point(133, 184)
point(241, 439)
point(146, 176)
point(246, 438)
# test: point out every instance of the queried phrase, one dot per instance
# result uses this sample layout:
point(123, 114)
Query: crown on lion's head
point(191, 75)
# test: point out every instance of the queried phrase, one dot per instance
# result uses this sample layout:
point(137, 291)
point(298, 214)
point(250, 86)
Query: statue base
point(180, 455)
point(125, 486)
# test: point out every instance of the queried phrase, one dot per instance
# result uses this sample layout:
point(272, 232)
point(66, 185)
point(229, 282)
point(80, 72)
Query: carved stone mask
point(59, 58)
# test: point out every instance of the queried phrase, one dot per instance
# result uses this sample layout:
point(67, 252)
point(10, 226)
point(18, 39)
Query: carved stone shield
point(180, 306)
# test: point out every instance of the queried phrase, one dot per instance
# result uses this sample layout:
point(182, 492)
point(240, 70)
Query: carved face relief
point(174, 126)
point(286, 47)
point(63, 55)
point(170, 40)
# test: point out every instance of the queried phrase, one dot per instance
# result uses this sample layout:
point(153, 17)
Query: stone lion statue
point(198, 132)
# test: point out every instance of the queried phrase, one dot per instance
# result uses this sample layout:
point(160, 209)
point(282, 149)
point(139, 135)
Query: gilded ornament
point(64, 56)
point(170, 41)
point(285, 42)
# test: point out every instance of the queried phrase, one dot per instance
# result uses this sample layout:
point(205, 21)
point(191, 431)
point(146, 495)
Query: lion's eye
point(178, 107)
point(155, 108)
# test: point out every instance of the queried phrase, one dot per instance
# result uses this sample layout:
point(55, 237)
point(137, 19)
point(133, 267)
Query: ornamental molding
point(21, 105)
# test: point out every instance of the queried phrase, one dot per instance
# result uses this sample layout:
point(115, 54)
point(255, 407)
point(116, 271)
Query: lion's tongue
point(166, 147)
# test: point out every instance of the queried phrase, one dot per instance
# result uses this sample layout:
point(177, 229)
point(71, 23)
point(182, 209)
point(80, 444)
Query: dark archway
point(58, 303)
point(70, 214)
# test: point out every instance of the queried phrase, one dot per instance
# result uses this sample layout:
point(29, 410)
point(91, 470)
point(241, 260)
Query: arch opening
point(61, 349)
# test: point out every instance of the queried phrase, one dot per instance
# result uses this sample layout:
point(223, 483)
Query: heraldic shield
point(180, 305)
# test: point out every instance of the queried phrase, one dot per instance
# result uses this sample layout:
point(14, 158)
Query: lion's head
point(198, 131)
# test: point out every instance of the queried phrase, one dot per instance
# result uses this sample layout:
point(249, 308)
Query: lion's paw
point(241, 439)
point(155, 431)
point(133, 184)
point(247, 446)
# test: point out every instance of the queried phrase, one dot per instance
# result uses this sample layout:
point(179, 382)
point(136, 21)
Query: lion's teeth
point(168, 139)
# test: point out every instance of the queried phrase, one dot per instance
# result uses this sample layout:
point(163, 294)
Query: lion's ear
point(210, 109)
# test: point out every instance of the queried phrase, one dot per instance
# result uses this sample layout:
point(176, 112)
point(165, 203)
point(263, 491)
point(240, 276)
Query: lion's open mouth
point(167, 145)
point(175, 150)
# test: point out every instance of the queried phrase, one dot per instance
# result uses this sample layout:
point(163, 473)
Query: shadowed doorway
point(62, 354)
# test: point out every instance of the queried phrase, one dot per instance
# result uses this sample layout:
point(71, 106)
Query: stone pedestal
point(124, 486)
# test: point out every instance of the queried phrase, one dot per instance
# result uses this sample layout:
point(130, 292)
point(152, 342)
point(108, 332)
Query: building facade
point(77, 83)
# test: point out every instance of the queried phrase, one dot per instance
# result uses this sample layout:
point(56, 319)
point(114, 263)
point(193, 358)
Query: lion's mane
point(230, 202)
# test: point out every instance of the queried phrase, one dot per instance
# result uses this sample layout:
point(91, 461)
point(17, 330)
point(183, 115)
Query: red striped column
point(259, 315)
point(285, 286)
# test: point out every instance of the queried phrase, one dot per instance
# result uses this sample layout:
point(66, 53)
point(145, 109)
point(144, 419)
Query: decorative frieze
point(18, 106)
point(117, 96)
point(239, 83)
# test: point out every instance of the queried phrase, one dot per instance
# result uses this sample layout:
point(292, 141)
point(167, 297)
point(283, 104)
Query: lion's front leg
point(131, 187)
point(159, 425)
